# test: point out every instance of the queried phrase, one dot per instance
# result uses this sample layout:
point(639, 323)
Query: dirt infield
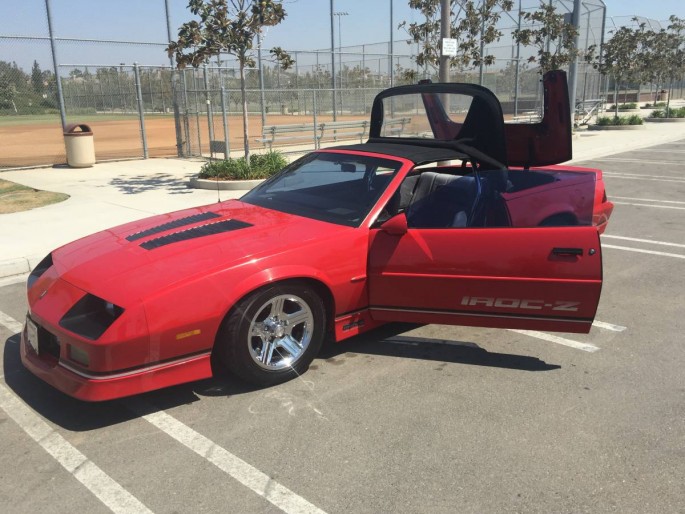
point(42, 143)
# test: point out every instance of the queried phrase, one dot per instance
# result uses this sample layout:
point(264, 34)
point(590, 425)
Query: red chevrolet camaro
point(451, 216)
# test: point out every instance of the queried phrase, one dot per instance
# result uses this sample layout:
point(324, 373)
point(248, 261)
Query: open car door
point(542, 278)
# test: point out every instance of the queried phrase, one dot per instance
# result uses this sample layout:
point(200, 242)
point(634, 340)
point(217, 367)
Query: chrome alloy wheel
point(280, 332)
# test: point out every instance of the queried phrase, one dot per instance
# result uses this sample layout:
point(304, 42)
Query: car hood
point(132, 261)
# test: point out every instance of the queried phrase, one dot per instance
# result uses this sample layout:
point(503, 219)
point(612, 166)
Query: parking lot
point(403, 419)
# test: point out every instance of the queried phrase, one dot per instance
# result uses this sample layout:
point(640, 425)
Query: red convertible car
point(456, 218)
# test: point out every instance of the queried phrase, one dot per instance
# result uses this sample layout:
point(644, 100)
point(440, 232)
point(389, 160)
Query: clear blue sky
point(306, 27)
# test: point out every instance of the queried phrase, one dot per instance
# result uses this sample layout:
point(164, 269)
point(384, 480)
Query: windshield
point(335, 187)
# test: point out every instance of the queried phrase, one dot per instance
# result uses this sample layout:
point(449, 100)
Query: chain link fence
point(155, 111)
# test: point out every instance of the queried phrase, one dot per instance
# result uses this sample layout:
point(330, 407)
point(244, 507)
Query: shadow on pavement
point(143, 183)
point(79, 416)
point(388, 341)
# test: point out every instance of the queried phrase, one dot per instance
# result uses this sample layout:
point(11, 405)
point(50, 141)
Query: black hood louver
point(182, 222)
point(210, 229)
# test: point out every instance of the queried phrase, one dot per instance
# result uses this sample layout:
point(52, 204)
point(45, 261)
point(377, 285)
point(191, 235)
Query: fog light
point(78, 355)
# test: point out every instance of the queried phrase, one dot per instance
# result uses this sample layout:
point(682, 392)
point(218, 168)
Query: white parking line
point(645, 199)
point(10, 323)
point(641, 175)
point(640, 250)
point(586, 347)
point(608, 326)
point(650, 241)
point(249, 476)
point(638, 177)
point(110, 492)
point(643, 161)
point(651, 205)
point(99, 483)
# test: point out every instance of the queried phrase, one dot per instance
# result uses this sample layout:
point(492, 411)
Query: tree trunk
point(243, 93)
point(616, 98)
point(668, 102)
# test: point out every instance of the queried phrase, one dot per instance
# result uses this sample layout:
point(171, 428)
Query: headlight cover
point(90, 317)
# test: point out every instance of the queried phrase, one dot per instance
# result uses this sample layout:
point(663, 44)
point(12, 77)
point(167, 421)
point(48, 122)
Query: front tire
point(273, 334)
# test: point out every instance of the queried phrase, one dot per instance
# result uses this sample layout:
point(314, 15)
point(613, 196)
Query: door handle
point(567, 251)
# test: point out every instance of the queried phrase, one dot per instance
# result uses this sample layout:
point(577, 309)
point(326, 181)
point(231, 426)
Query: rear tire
point(273, 334)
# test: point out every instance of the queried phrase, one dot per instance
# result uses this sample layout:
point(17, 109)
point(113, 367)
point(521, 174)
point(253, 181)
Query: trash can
point(78, 138)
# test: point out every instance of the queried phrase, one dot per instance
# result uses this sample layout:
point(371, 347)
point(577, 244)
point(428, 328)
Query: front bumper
point(94, 388)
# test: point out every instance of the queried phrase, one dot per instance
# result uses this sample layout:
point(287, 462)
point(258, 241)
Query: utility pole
point(573, 68)
point(444, 33)
point(58, 82)
point(174, 87)
point(333, 61)
point(392, 41)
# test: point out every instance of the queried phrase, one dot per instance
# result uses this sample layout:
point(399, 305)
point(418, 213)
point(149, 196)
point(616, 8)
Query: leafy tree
point(37, 78)
point(551, 35)
point(12, 82)
point(14, 75)
point(8, 92)
point(406, 75)
point(231, 27)
point(475, 23)
point(622, 58)
point(675, 55)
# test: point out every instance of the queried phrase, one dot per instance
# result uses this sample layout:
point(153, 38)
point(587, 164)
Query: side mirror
point(395, 226)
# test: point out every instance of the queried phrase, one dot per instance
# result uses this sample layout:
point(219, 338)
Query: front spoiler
point(118, 385)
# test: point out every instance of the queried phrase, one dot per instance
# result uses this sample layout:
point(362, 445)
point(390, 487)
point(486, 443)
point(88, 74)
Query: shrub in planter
point(631, 105)
point(606, 121)
point(261, 166)
point(672, 113)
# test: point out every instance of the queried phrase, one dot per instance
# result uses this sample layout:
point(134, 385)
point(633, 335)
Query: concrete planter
point(224, 185)
point(616, 127)
point(665, 120)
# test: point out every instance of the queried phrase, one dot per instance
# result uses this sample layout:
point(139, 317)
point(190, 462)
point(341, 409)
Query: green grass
point(16, 198)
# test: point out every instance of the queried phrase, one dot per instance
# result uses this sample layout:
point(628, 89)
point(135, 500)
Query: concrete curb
point(665, 120)
point(18, 266)
point(224, 185)
point(616, 127)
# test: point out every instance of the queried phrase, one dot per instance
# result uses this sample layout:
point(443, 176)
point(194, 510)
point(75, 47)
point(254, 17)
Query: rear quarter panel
point(574, 191)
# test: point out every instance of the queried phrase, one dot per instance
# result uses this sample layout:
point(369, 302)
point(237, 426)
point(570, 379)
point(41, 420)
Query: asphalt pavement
point(402, 419)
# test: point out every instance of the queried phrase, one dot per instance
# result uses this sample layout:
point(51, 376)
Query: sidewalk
point(113, 193)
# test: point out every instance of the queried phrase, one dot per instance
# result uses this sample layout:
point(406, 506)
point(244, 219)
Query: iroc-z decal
point(519, 303)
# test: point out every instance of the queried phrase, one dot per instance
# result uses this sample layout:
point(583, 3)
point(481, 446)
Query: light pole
point(333, 60)
point(340, 14)
point(392, 41)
